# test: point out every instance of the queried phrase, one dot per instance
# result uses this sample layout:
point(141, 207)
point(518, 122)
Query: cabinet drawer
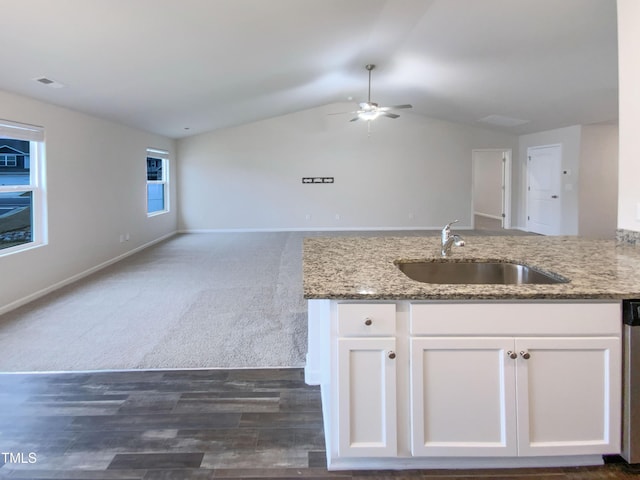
point(366, 319)
point(516, 318)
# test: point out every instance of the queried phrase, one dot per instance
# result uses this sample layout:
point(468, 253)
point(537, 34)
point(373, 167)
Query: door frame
point(507, 155)
point(527, 182)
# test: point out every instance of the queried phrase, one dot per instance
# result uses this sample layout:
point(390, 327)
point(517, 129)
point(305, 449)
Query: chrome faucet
point(448, 240)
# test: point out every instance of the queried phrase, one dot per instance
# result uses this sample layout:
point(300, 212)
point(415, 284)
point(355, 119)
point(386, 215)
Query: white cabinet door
point(568, 396)
point(463, 397)
point(366, 421)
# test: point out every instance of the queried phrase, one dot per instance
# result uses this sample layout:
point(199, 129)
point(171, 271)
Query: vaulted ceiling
point(181, 67)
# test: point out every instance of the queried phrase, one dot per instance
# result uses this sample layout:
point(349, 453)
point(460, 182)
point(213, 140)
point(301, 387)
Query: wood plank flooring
point(193, 424)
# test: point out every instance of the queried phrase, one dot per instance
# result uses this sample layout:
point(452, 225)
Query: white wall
point(412, 172)
point(629, 114)
point(598, 192)
point(569, 138)
point(96, 190)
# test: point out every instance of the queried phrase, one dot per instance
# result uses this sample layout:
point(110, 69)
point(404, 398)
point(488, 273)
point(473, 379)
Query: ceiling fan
point(370, 110)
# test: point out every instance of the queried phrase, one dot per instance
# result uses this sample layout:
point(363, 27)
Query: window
point(8, 160)
point(22, 194)
point(157, 181)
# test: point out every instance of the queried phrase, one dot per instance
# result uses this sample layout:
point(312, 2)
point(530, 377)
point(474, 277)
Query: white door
point(567, 403)
point(544, 204)
point(463, 397)
point(366, 422)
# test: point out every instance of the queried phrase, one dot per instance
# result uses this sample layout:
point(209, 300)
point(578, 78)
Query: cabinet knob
point(512, 355)
point(525, 355)
point(392, 355)
point(368, 321)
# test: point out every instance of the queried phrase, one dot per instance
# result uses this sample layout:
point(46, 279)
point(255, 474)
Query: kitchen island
point(418, 375)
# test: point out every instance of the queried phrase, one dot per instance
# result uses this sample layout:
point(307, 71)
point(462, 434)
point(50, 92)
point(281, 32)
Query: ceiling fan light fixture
point(371, 110)
point(369, 115)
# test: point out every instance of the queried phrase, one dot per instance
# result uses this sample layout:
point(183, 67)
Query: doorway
point(544, 205)
point(491, 192)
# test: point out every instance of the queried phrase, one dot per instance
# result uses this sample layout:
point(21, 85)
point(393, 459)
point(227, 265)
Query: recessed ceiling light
point(502, 121)
point(48, 82)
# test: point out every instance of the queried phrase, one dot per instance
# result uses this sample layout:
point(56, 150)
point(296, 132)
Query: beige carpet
point(194, 301)
point(198, 300)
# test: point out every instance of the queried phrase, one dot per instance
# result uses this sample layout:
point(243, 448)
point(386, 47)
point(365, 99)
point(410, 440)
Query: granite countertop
point(363, 267)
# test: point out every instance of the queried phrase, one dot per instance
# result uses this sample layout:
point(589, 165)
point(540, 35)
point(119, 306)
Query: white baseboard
point(314, 229)
point(452, 463)
point(51, 288)
point(487, 215)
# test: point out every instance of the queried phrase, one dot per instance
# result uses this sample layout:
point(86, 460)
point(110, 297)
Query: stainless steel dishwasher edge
point(631, 381)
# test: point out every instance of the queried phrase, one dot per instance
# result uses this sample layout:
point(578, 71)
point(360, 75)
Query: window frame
point(163, 156)
point(35, 136)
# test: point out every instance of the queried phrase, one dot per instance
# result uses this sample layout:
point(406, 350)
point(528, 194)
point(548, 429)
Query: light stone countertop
point(363, 267)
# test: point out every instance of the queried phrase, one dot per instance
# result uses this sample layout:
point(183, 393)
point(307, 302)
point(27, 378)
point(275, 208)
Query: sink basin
point(481, 272)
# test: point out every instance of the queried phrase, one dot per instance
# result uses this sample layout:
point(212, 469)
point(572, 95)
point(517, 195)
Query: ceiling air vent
point(502, 121)
point(48, 82)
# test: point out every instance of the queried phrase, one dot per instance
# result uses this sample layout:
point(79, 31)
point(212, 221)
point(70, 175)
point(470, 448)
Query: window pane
point(14, 162)
point(154, 169)
point(15, 219)
point(155, 197)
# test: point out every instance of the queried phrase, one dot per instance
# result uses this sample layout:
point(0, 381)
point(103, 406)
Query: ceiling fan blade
point(396, 107)
point(354, 119)
point(340, 113)
point(390, 115)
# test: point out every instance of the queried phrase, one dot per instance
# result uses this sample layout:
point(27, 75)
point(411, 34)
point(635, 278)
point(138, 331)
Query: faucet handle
point(448, 225)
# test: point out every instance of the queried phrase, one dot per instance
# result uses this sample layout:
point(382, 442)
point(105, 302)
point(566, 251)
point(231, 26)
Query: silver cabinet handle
point(512, 355)
point(526, 355)
point(368, 321)
point(392, 355)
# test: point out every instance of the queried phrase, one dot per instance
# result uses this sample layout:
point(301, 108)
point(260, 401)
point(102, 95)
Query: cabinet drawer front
point(366, 319)
point(517, 318)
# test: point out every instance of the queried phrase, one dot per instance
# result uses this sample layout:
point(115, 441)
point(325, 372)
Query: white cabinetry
point(366, 380)
point(471, 398)
point(462, 397)
point(415, 384)
point(568, 395)
point(549, 385)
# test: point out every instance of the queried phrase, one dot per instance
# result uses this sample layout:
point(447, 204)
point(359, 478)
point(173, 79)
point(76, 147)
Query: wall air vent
point(48, 82)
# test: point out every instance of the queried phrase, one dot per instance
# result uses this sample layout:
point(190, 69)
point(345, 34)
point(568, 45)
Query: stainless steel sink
point(480, 272)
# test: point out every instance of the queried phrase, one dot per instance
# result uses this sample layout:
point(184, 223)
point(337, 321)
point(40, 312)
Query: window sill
point(21, 248)
point(155, 214)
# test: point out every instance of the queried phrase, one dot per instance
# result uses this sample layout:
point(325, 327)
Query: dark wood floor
point(196, 424)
